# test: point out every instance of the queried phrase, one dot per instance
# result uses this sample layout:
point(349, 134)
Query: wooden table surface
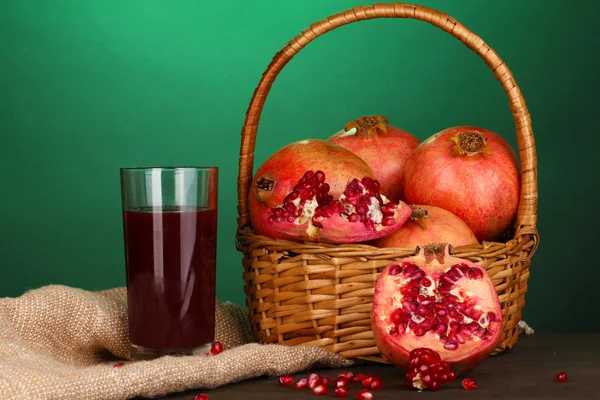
point(525, 372)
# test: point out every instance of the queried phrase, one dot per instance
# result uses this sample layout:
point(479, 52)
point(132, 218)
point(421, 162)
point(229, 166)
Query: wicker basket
point(321, 294)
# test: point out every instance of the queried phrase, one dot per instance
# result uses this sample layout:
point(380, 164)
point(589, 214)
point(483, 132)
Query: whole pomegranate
point(384, 148)
point(470, 172)
point(314, 190)
point(429, 224)
point(436, 301)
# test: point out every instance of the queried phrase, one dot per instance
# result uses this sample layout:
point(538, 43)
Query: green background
point(91, 86)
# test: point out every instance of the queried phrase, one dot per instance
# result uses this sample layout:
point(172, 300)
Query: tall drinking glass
point(170, 231)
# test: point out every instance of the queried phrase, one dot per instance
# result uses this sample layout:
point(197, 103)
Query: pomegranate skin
point(435, 261)
point(481, 189)
point(441, 226)
point(387, 154)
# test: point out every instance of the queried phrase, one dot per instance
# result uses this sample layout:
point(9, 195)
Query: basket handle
point(527, 211)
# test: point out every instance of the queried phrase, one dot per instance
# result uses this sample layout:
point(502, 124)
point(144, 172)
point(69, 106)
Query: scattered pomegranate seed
point(376, 383)
point(201, 397)
point(286, 380)
point(348, 375)
point(367, 382)
point(340, 381)
point(320, 390)
point(427, 370)
point(469, 384)
point(325, 380)
point(301, 383)
point(561, 377)
point(364, 395)
point(359, 378)
point(341, 392)
point(217, 348)
point(118, 365)
point(314, 380)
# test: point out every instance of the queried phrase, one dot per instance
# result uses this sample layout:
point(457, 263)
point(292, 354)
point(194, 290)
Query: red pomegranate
point(384, 148)
point(429, 224)
point(436, 301)
point(291, 200)
point(470, 172)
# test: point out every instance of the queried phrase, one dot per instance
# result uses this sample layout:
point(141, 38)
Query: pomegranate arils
point(202, 396)
point(562, 377)
point(321, 390)
point(314, 380)
point(310, 201)
point(216, 348)
point(286, 380)
point(301, 383)
point(376, 383)
point(469, 384)
point(341, 392)
point(325, 380)
point(340, 381)
point(427, 370)
point(119, 365)
point(364, 394)
point(348, 375)
point(367, 381)
point(359, 378)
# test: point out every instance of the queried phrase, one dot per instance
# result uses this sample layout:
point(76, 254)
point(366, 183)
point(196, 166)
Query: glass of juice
point(170, 232)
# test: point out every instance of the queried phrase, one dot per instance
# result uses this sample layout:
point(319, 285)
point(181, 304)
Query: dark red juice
point(171, 266)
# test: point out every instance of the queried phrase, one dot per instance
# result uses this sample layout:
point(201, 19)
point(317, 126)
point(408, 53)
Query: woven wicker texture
point(321, 294)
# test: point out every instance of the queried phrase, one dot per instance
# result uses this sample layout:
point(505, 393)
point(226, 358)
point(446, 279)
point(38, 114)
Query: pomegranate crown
point(419, 215)
point(368, 124)
point(470, 143)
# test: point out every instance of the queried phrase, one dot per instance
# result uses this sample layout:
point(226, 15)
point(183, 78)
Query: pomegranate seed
point(320, 176)
point(469, 384)
point(364, 395)
point(348, 375)
point(314, 380)
point(286, 380)
point(561, 377)
point(427, 370)
point(340, 381)
point(308, 175)
point(320, 390)
point(217, 348)
point(341, 392)
point(325, 380)
point(376, 383)
point(388, 222)
point(359, 378)
point(119, 365)
point(367, 382)
point(301, 383)
point(201, 397)
point(394, 269)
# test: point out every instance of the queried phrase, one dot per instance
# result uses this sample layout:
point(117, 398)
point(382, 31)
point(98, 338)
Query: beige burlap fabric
point(58, 342)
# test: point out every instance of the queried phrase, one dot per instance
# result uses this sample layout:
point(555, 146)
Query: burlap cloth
point(58, 342)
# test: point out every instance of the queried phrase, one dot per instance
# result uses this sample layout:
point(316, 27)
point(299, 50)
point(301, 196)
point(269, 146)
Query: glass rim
point(169, 167)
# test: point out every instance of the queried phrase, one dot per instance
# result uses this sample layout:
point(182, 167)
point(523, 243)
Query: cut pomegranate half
point(310, 213)
point(436, 301)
